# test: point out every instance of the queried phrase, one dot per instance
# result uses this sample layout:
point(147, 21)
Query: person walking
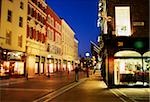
point(77, 73)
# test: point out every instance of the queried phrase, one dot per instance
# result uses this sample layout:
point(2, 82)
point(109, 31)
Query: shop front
point(42, 65)
point(37, 65)
point(50, 66)
point(126, 61)
point(12, 64)
point(131, 68)
point(64, 65)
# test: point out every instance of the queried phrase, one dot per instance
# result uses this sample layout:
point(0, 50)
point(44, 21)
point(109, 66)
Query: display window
point(36, 68)
point(12, 68)
point(50, 66)
point(131, 68)
point(42, 68)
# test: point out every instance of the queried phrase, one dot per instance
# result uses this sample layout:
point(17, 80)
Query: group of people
point(77, 69)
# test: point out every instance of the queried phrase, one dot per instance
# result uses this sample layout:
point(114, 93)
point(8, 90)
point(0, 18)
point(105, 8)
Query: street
point(94, 90)
point(91, 90)
point(61, 89)
point(32, 89)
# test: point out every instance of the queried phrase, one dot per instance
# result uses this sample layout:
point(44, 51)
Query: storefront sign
point(15, 55)
point(138, 44)
point(138, 23)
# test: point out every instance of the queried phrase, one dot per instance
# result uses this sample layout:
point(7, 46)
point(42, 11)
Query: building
point(125, 31)
point(68, 46)
point(76, 56)
point(36, 38)
point(54, 41)
point(13, 16)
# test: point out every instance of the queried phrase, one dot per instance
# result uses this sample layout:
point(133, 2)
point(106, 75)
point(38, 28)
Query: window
point(30, 32)
point(36, 34)
point(51, 34)
point(8, 37)
point(11, 0)
point(20, 40)
point(20, 21)
point(122, 16)
point(49, 19)
point(9, 16)
point(21, 5)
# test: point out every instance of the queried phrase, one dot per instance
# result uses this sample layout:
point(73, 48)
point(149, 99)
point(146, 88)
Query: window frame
point(9, 16)
point(20, 21)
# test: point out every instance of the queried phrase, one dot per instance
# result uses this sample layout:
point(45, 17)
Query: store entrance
point(131, 68)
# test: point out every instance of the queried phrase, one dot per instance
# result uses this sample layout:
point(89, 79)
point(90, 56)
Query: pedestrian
point(77, 73)
point(87, 70)
point(94, 69)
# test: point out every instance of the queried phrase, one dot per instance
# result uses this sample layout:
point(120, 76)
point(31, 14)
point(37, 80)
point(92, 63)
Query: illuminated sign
point(138, 23)
point(122, 20)
point(138, 44)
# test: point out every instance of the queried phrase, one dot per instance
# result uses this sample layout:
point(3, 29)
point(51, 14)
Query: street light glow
point(87, 54)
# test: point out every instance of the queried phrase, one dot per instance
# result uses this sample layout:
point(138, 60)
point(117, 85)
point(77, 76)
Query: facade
point(126, 52)
point(68, 46)
point(76, 58)
point(54, 41)
point(13, 15)
point(36, 38)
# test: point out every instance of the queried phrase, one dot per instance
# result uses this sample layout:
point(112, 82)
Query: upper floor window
point(8, 37)
point(50, 34)
point(11, 0)
point(21, 5)
point(48, 19)
point(20, 40)
point(52, 21)
point(9, 16)
point(31, 32)
point(38, 4)
point(20, 21)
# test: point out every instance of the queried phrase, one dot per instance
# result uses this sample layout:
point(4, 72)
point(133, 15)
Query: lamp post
point(87, 54)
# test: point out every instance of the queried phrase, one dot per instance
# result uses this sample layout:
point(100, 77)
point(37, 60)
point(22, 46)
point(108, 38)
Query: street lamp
point(87, 54)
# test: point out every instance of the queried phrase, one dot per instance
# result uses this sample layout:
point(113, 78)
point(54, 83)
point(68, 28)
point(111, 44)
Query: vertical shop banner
point(122, 21)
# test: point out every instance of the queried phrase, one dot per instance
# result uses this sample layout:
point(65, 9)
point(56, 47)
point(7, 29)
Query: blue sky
point(81, 15)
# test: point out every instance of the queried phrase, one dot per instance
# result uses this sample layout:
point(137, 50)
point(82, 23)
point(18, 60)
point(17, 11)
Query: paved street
point(29, 90)
point(95, 90)
point(61, 88)
point(92, 90)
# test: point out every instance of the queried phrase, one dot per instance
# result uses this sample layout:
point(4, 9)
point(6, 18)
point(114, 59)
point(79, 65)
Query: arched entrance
point(130, 68)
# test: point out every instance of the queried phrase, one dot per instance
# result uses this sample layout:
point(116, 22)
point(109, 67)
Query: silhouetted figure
point(77, 73)
point(87, 70)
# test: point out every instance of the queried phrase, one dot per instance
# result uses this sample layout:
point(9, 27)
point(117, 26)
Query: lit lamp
point(87, 54)
point(87, 69)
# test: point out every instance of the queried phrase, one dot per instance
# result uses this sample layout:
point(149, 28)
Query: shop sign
point(14, 55)
point(138, 44)
point(138, 23)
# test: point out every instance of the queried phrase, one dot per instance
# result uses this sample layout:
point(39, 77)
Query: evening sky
point(81, 15)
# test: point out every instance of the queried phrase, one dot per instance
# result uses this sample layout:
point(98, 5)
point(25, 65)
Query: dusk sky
point(81, 15)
